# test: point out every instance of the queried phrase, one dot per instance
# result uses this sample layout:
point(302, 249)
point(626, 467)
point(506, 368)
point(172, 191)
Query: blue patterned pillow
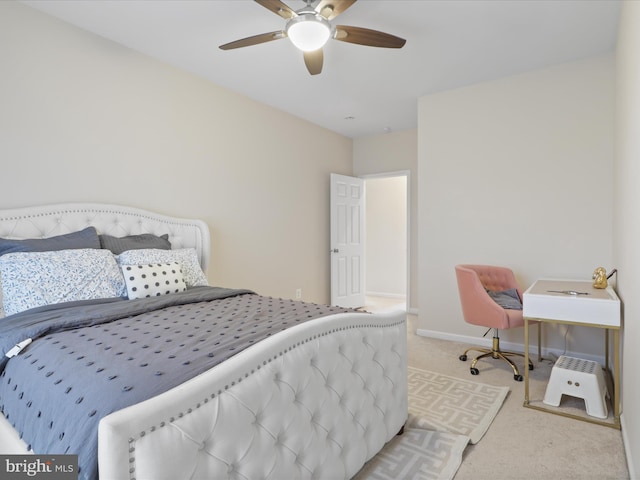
point(34, 279)
point(86, 238)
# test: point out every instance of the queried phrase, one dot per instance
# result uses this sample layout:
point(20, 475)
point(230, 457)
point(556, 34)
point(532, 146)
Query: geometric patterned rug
point(449, 404)
point(416, 454)
point(445, 414)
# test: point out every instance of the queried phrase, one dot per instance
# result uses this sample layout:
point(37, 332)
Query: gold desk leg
point(539, 342)
point(526, 361)
point(606, 349)
point(616, 378)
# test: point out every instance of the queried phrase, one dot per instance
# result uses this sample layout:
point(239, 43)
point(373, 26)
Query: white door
point(347, 241)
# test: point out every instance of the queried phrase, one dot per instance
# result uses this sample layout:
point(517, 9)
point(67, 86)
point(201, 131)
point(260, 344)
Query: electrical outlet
point(298, 293)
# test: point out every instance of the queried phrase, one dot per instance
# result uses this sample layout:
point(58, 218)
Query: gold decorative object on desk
point(599, 278)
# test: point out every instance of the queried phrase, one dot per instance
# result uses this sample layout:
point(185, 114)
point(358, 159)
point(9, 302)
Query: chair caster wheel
point(463, 357)
point(517, 378)
point(530, 366)
point(474, 371)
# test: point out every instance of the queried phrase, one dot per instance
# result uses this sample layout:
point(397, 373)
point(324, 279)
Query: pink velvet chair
point(479, 308)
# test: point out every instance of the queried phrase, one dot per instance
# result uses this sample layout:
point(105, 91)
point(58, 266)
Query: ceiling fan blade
point(371, 38)
point(277, 7)
point(313, 61)
point(330, 9)
point(254, 40)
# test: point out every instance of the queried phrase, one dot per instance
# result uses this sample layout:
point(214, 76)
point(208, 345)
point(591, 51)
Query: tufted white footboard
point(315, 401)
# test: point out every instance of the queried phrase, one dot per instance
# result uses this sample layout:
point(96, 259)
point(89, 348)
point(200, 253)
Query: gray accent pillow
point(86, 238)
point(117, 245)
point(506, 298)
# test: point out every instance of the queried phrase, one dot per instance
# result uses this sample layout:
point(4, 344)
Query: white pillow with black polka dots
point(153, 280)
point(186, 257)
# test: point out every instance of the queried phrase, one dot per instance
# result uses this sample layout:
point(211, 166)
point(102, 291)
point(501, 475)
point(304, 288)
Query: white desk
point(575, 302)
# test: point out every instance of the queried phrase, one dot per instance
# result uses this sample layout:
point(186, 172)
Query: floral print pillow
point(34, 279)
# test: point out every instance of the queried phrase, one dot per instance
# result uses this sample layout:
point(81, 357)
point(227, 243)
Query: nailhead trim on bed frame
point(371, 356)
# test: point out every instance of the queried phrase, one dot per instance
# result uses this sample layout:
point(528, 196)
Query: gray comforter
point(89, 359)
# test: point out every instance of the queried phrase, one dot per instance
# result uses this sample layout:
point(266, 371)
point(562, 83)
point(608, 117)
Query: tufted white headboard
point(117, 220)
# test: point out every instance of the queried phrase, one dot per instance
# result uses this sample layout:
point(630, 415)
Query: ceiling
point(361, 90)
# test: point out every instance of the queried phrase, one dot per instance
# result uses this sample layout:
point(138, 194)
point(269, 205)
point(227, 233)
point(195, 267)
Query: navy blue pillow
point(87, 238)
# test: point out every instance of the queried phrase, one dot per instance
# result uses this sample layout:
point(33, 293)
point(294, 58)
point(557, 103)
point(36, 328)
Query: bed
point(314, 398)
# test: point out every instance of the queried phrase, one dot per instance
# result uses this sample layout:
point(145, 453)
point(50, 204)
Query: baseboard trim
point(627, 449)
point(385, 295)
point(487, 342)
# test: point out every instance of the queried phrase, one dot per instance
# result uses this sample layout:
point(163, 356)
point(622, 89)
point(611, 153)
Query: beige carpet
point(445, 414)
point(522, 443)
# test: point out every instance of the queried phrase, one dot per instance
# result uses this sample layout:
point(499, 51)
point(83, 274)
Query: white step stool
point(578, 378)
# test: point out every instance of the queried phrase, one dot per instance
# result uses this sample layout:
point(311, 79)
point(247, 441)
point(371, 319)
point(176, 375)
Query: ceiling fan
point(310, 28)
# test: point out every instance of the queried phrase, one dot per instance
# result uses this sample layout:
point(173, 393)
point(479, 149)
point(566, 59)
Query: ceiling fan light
point(308, 32)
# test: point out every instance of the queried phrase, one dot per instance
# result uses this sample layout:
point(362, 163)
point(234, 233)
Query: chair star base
point(495, 353)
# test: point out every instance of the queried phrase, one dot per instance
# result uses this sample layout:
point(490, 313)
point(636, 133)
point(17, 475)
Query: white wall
point(386, 236)
point(85, 119)
point(516, 172)
point(393, 152)
point(626, 219)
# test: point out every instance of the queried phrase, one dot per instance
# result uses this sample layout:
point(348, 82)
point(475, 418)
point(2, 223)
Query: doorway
point(387, 233)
